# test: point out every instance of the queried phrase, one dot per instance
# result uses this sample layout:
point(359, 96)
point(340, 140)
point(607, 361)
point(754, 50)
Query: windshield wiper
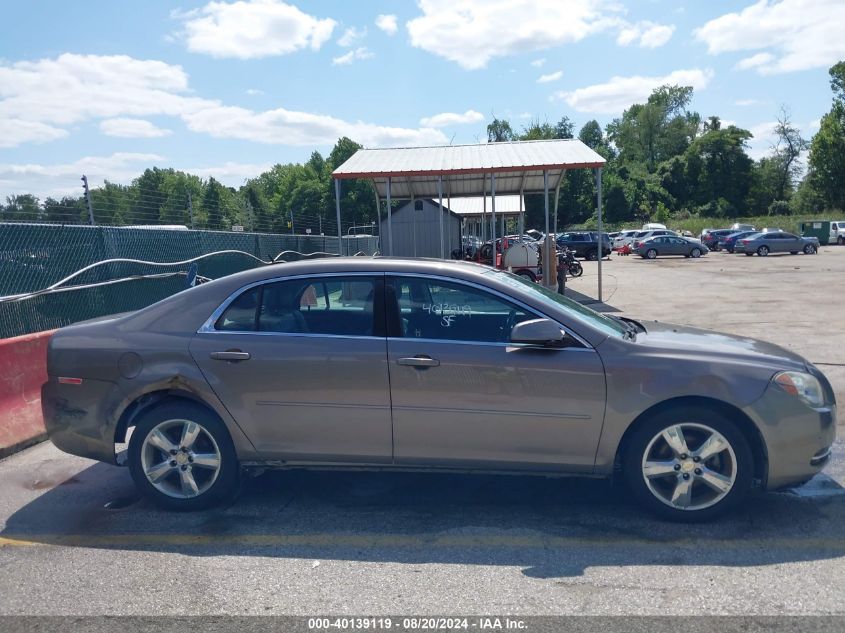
point(628, 324)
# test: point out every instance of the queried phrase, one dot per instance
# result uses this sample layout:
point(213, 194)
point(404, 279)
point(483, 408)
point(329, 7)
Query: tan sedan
point(410, 364)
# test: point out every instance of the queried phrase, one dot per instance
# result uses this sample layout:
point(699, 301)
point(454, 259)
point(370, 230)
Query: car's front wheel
point(809, 249)
point(695, 253)
point(182, 457)
point(688, 465)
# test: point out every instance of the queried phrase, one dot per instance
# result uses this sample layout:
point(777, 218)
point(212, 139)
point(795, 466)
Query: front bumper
point(87, 426)
point(798, 438)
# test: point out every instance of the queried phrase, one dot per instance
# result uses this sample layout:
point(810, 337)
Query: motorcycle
point(573, 266)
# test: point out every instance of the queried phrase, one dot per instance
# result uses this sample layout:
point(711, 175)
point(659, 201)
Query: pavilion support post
point(557, 197)
point(601, 239)
point(493, 215)
point(440, 208)
point(414, 219)
point(389, 221)
point(337, 209)
point(549, 251)
point(521, 217)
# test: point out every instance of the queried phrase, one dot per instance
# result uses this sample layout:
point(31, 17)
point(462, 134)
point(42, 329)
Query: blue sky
point(229, 88)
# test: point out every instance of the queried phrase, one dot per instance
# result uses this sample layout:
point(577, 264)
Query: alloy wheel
point(180, 458)
point(763, 251)
point(689, 466)
point(651, 253)
point(696, 253)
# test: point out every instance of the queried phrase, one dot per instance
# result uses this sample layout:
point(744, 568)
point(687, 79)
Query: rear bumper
point(798, 439)
point(86, 427)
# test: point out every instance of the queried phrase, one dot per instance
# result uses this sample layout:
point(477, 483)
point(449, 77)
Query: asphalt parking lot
point(74, 538)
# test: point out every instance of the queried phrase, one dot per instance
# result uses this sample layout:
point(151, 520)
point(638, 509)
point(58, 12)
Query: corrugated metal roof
point(467, 169)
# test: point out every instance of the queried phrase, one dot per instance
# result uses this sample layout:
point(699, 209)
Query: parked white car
point(624, 238)
point(837, 232)
point(651, 226)
point(642, 236)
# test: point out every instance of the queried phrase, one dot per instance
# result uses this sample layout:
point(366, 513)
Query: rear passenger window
point(341, 306)
point(240, 315)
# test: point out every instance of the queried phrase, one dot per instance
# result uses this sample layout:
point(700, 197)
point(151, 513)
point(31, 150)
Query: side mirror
point(543, 332)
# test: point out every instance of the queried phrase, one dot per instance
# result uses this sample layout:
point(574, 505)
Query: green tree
point(499, 131)
point(787, 149)
point(827, 149)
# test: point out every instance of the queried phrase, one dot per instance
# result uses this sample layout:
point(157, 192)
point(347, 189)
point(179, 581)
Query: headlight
point(804, 386)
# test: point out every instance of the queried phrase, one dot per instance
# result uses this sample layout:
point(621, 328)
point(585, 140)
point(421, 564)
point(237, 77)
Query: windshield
point(580, 313)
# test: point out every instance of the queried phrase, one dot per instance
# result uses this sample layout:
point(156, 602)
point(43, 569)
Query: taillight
point(745, 241)
point(65, 380)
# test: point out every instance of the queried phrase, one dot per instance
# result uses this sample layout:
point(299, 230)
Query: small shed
point(416, 229)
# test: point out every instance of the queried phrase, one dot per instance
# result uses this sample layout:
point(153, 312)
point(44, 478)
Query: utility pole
point(291, 221)
point(191, 209)
point(88, 200)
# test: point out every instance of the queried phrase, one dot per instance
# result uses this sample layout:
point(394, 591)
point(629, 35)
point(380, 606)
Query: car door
point(301, 365)
point(792, 242)
point(463, 396)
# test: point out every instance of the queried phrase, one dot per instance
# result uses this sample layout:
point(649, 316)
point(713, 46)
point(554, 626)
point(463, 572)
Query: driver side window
point(447, 311)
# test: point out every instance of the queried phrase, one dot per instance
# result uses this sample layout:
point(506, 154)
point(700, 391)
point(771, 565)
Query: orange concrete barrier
point(23, 369)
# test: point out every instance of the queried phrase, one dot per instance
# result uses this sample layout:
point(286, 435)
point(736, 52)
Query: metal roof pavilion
point(516, 167)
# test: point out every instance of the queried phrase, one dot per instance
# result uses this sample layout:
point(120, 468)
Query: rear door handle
point(230, 355)
point(419, 361)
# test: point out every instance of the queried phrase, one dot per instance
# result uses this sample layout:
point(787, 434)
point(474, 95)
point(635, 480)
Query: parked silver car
point(409, 364)
point(776, 242)
point(671, 245)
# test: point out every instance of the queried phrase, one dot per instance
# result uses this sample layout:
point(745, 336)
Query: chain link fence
point(52, 275)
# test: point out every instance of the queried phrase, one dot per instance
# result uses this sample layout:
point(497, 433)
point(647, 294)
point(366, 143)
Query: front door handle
point(230, 355)
point(419, 361)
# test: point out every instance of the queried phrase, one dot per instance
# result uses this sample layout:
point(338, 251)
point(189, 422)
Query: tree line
point(664, 162)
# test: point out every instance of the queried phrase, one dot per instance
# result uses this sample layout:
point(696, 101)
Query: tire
point(651, 253)
point(592, 255)
point(840, 240)
point(214, 482)
point(576, 269)
point(730, 468)
point(528, 275)
point(695, 253)
point(763, 251)
point(809, 249)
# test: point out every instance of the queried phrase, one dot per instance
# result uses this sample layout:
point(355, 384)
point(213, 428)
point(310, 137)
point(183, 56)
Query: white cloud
point(620, 93)
point(230, 173)
point(760, 59)
point(472, 32)
point(387, 23)
point(14, 132)
point(445, 119)
point(356, 54)
point(797, 34)
point(524, 115)
point(645, 34)
point(38, 98)
point(538, 62)
point(286, 127)
point(63, 179)
point(254, 92)
point(132, 128)
point(544, 79)
point(351, 35)
point(249, 29)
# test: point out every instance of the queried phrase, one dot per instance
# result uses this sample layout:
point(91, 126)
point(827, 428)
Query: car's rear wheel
point(182, 457)
point(809, 249)
point(688, 464)
point(763, 251)
point(695, 253)
point(651, 253)
point(592, 255)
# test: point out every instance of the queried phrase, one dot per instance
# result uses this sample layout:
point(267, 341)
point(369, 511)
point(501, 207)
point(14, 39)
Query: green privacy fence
point(34, 258)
